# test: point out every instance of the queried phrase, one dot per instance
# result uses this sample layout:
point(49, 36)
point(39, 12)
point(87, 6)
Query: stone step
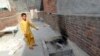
point(62, 53)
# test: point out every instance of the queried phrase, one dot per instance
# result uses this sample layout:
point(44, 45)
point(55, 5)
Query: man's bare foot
point(31, 48)
point(35, 45)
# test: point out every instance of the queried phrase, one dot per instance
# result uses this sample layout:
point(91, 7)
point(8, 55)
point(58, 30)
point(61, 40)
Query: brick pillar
point(50, 6)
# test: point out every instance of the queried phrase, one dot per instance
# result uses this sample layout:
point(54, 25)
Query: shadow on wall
point(62, 27)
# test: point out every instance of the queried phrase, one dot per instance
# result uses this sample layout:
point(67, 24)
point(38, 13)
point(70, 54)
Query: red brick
point(50, 6)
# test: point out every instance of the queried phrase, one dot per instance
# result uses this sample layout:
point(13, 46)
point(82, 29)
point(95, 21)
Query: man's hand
point(25, 34)
point(37, 29)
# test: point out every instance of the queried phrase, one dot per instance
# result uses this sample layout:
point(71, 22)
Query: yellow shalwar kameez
point(26, 29)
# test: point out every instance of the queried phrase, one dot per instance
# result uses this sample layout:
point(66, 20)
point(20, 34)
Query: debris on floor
point(57, 47)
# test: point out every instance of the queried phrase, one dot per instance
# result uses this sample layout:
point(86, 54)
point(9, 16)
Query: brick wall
point(6, 22)
point(8, 18)
point(7, 13)
point(49, 6)
point(83, 30)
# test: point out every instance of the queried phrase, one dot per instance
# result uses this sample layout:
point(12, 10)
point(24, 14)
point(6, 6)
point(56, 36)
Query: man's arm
point(33, 26)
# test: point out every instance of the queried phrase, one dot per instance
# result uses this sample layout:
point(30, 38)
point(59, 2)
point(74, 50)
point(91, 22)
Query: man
point(25, 28)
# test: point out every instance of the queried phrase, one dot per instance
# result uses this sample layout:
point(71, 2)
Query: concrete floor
point(44, 33)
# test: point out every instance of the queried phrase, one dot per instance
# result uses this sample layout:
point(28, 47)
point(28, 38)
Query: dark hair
point(23, 14)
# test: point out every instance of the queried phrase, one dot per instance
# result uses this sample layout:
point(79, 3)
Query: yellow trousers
point(29, 39)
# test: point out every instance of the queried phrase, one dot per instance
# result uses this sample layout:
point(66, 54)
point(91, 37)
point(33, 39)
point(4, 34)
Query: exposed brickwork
point(7, 13)
point(10, 21)
point(49, 6)
point(83, 30)
point(8, 18)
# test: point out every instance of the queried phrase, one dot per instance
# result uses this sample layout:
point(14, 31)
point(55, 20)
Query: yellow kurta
point(26, 29)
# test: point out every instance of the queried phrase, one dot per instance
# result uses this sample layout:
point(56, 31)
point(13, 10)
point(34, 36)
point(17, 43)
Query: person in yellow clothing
point(25, 26)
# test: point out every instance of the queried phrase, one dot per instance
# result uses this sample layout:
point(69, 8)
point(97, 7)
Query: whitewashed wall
point(5, 4)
